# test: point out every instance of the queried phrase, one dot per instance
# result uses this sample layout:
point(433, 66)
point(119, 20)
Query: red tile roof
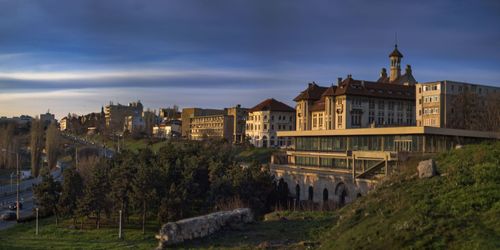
point(313, 92)
point(272, 105)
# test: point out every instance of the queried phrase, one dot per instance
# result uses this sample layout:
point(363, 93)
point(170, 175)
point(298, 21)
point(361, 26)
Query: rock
point(177, 232)
point(426, 169)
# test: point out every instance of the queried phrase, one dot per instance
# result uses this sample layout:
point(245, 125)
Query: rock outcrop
point(177, 232)
point(426, 169)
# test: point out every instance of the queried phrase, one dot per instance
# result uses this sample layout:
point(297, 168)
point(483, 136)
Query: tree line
point(183, 179)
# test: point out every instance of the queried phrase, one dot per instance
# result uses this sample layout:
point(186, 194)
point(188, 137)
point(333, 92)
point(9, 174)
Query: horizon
point(220, 54)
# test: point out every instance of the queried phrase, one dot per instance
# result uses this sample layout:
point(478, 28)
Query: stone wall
point(177, 232)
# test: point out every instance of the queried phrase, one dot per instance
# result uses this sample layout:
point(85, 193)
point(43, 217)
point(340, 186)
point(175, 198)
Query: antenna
point(396, 39)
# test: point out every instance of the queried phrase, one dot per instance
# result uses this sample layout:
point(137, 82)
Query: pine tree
point(52, 144)
point(72, 192)
point(95, 199)
point(47, 194)
point(36, 146)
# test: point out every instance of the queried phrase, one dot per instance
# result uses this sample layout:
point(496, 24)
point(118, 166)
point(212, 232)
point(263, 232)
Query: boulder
point(427, 169)
point(177, 232)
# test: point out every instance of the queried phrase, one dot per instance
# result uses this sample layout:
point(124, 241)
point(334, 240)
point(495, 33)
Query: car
point(13, 206)
point(9, 215)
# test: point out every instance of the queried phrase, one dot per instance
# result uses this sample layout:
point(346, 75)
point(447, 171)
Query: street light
point(17, 180)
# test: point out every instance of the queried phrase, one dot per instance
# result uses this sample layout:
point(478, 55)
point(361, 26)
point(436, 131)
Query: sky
point(76, 56)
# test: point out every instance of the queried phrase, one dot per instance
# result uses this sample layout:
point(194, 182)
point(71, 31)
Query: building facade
point(228, 123)
point(451, 104)
point(115, 114)
point(350, 135)
point(266, 119)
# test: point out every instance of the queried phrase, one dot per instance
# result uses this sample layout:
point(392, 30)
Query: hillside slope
point(459, 209)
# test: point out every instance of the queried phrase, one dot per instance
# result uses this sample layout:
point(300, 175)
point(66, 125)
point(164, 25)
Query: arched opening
point(264, 141)
point(358, 195)
point(325, 194)
point(297, 192)
point(341, 193)
point(282, 192)
point(311, 193)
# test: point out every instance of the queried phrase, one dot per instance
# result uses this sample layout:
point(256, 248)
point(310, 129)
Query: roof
point(313, 92)
point(375, 89)
point(272, 105)
point(330, 91)
point(396, 52)
point(319, 105)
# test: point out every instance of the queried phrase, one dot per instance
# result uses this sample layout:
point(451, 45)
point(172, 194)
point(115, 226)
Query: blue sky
point(75, 56)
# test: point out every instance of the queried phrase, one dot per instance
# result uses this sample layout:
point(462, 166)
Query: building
point(267, 118)
point(350, 135)
point(212, 126)
point(47, 118)
point(228, 123)
point(134, 124)
point(167, 114)
point(239, 115)
point(188, 113)
point(115, 114)
point(450, 104)
point(168, 129)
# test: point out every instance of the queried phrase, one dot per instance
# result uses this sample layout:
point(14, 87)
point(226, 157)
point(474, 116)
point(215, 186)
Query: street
point(26, 198)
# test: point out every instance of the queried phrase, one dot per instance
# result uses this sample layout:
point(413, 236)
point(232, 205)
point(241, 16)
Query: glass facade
point(397, 143)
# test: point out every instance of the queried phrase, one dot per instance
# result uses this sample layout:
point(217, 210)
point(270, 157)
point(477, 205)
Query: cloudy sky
point(75, 56)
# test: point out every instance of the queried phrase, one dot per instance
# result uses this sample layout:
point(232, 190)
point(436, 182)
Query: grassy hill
point(459, 209)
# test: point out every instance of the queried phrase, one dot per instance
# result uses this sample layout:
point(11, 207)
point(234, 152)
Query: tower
point(395, 58)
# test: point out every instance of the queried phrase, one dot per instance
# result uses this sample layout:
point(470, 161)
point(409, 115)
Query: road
point(26, 197)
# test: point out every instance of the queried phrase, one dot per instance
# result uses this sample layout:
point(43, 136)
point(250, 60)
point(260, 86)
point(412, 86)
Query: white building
point(265, 119)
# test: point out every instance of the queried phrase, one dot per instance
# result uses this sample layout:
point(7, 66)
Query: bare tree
point(476, 112)
point(36, 146)
point(52, 144)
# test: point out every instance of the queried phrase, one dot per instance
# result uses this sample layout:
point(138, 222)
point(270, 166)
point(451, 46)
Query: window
point(391, 105)
point(381, 104)
point(371, 117)
point(339, 121)
point(265, 126)
point(380, 117)
point(371, 104)
point(356, 119)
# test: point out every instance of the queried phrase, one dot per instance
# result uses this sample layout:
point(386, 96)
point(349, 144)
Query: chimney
point(408, 69)
point(339, 81)
point(383, 73)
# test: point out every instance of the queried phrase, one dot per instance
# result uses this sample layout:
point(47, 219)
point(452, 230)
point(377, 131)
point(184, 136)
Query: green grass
point(284, 229)
point(261, 155)
point(50, 236)
point(458, 210)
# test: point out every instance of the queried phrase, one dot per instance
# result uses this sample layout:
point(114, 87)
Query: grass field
point(50, 236)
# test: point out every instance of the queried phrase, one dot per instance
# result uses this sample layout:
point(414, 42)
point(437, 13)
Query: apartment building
point(115, 114)
point(451, 104)
point(266, 119)
point(228, 123)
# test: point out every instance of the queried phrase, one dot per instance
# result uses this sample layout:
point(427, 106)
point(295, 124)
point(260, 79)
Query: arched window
point(341, 193)
point(311, 193)
point(325, 194)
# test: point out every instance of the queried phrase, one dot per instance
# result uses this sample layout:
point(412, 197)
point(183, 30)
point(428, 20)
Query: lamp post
point(17, 180)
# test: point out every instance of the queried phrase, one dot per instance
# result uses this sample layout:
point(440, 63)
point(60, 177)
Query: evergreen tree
point(72, 192)
point(145, 183)
point(47, 194)
point(52, 145)
point(95, 200)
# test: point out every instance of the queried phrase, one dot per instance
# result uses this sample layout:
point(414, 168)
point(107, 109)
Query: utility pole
point(76, 156)
point(36, 232)
point(17, 191)
point(120, 226)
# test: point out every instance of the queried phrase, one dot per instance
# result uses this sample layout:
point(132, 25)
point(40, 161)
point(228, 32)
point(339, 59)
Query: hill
point(459, 209)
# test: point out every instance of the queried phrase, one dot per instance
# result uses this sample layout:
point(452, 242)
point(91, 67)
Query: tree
point(47, 194)
point(36, 145)
point(122, 175)
point(144, 184)
point(52, 144)
point(72, 192)
point(95, 199)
